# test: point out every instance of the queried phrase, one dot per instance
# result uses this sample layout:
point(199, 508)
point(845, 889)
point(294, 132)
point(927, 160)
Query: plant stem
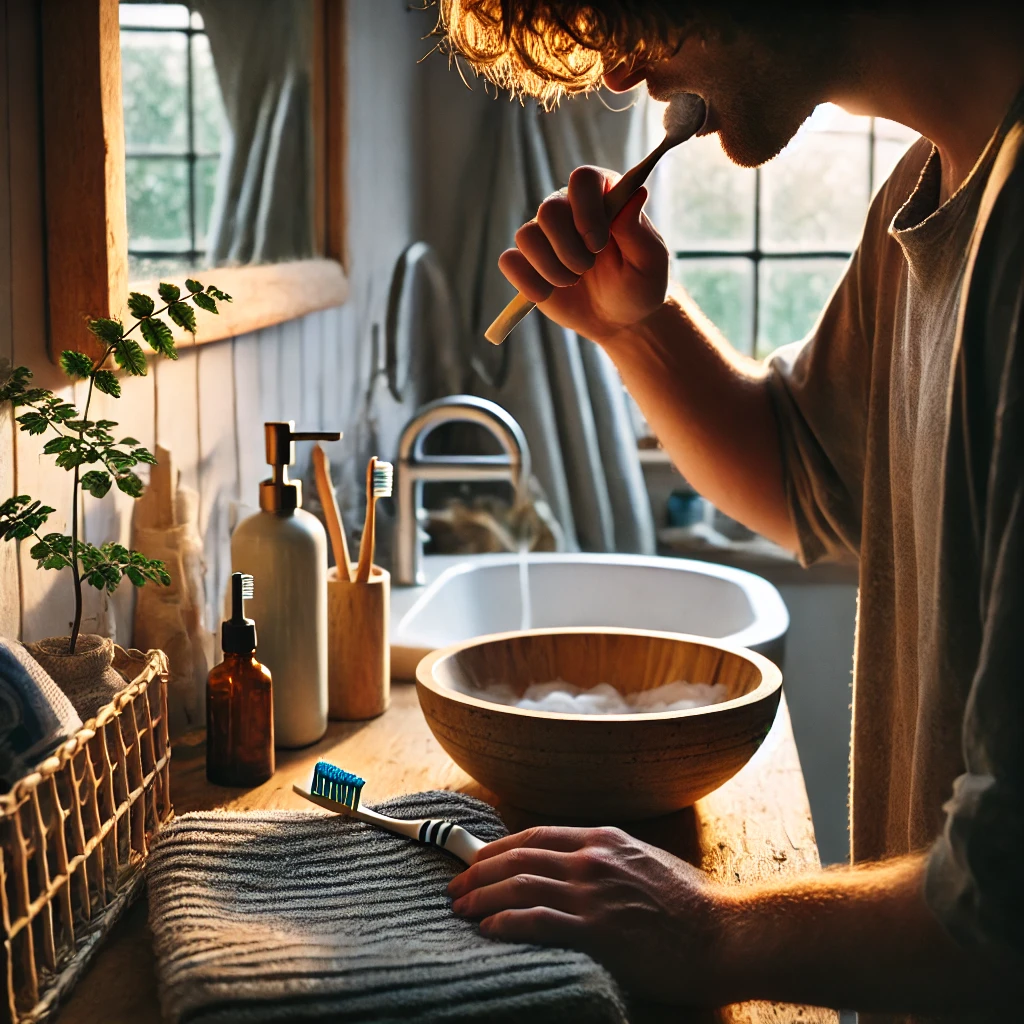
point(76, 573)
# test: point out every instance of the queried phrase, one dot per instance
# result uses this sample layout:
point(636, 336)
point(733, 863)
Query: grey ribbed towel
point(303, 916)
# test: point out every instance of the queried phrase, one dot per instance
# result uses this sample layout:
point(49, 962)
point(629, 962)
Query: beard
point(758, 94)
point(755, 126)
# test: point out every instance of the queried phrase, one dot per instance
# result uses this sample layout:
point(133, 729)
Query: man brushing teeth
point(892, 437)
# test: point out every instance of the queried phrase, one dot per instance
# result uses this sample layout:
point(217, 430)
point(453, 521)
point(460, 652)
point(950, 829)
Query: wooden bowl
point(589, 767)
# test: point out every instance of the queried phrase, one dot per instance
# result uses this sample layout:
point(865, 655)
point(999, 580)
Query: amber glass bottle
point(239, 703)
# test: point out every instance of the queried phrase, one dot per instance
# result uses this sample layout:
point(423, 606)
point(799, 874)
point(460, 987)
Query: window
point(84, 114)
point(761, 250)
point(173, 126)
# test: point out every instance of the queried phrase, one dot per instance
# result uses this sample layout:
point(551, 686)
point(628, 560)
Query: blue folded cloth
point(35, 716)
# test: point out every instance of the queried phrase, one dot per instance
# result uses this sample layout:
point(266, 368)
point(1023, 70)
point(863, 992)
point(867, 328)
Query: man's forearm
point(859, 938)
point(711, 410)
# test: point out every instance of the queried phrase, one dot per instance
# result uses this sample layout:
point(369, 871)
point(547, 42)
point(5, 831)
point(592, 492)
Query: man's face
point(757, 95)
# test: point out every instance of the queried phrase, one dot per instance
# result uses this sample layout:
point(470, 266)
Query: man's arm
point(861, 938)
point(709, 406)
point(858, 938)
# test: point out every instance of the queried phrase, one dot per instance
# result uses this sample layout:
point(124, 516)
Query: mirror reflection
point(219, 147)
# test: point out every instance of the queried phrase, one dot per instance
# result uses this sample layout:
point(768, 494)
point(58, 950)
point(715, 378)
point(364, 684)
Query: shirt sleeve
point(820, 390)
point(975, 874)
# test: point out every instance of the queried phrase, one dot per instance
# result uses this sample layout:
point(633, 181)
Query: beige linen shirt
point(900, 457)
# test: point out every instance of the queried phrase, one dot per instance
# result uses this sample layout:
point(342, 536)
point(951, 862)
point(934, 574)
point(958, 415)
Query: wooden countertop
point(755, 827)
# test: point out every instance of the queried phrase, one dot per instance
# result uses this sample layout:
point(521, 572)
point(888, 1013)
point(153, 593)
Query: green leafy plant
point(89, 449)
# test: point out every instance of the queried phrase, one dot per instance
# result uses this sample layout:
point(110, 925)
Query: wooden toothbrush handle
point(614, 201)
point(335, 529)
point(509, 318)
point(369, 525)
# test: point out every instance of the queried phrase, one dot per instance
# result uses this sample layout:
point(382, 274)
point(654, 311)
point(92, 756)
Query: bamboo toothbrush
point(684, 116)
point(339, 790)
point(339, 544)
point(379, 479)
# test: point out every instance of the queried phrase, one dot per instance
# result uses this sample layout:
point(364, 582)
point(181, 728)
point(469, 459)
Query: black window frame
point(193, 256)
point(757, 255)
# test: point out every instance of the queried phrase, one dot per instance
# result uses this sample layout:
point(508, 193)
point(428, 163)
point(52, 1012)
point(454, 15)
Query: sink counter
point(755, 827)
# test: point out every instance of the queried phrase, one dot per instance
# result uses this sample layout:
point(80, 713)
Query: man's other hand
point(649, 917)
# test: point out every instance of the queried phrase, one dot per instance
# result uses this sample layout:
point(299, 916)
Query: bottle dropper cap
point(238, 634)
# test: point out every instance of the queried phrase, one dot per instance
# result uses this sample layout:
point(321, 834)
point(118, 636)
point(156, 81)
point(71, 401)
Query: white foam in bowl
point(603, 699)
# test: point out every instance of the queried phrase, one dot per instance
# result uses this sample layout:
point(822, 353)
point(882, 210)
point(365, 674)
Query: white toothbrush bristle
point(684, 115)
point(247, 588)
point(383, 479)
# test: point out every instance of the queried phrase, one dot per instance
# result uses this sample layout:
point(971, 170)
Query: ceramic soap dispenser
point(285, 551)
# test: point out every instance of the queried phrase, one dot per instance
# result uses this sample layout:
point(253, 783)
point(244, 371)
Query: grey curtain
point(563, 390)
point(263, 207)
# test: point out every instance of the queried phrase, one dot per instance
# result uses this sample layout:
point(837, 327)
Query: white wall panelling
point(218, 469)
point(249, 412)
point(10, 606)
point(47, 605)
point(176, 398)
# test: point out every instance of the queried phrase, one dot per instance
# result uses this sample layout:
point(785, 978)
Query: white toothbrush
point(338, 790)
point(379, 479)
point(684, 116)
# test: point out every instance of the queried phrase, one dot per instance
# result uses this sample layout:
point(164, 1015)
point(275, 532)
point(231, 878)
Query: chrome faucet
point(414, 468)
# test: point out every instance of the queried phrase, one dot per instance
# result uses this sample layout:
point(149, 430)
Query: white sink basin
point(473, 596)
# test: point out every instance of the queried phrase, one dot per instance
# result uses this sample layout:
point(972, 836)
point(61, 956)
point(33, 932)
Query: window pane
point(154, 15)
point(704, 200)
point(829, 118)
point(885, 129)
point(207, 106)
point(892, 140)
point(814, 195)
point(206, 183)
point(724, 290)
point(792, 294)
point(157, 204)
point(143, 268)
point(154, 81)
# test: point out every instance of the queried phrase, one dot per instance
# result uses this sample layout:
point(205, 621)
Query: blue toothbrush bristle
point(336, 784)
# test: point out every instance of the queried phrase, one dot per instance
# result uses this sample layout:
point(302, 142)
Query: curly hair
point(551, 48)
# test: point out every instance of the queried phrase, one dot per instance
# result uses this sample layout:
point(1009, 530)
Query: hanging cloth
point(263, 205)
point(563, 390)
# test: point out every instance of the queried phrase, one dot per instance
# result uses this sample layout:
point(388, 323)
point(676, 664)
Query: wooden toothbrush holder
point(358, 646)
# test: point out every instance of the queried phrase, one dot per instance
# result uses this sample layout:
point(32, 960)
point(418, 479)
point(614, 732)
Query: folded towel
point(292, 915)
point(35, 716)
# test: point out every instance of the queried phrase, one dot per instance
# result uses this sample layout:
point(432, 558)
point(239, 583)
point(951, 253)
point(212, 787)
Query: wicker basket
point(74, 835)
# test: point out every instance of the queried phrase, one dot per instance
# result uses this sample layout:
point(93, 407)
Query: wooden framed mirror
point(88, 268)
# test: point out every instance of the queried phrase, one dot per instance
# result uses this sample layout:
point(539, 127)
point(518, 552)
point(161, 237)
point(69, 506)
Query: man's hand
point(588, 275)
point(861, 938)
point(647, 916)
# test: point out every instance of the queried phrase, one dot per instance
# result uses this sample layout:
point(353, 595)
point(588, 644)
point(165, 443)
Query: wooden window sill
point(262, 296)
